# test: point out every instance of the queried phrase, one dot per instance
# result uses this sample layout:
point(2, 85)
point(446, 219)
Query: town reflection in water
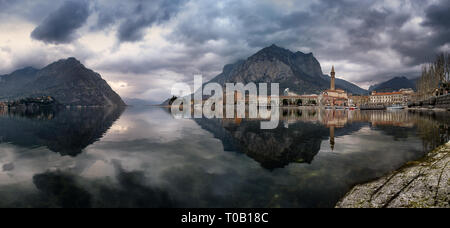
point(143, 157)
point(299, 137)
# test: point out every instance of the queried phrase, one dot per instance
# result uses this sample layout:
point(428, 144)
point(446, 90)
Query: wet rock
point(420, 184)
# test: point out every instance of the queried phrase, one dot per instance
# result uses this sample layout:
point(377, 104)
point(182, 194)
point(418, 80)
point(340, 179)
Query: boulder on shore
point(419, 184)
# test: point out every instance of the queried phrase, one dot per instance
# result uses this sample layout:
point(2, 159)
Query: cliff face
point(68, 81)
point(299, 72)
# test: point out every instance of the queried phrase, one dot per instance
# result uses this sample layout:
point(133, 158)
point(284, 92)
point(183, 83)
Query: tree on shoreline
point(435, 77)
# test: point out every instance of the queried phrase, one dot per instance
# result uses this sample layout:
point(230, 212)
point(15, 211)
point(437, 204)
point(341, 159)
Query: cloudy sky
point(143, 47)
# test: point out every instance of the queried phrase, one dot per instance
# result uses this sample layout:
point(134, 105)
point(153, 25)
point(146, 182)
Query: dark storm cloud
point(31, 10)
point(135, 15)
point(375, 22)
point(438, 15)
point(131, 28)
point(438, 18)
point(61, 25)
point(342, 30)
point(363, 33)
point(237, 20)
point(422, 46)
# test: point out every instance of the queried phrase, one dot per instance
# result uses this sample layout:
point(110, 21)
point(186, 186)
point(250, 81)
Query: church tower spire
point(333, 79)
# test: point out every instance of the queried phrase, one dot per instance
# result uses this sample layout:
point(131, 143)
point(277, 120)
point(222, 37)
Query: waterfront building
point(359, 100)
point(401, 97)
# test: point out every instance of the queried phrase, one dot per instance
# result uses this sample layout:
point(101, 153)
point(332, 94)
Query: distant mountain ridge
point(299, 72)
point(138, 102)
point(68, 81)
point(394, 84)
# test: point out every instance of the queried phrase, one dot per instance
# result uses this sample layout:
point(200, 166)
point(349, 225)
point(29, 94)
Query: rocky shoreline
point(420, 184)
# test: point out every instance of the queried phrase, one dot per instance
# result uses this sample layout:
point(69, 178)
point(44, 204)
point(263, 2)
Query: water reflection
point(298, 139)
point(64, 131)
point(146, 158)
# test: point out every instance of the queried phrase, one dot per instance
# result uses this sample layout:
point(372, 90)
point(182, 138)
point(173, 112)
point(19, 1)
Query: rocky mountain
point(68, 81)
point(299, 72)
point(138, 102)
point(394, 84)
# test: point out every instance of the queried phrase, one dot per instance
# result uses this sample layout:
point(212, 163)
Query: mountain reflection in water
point(300, 134)
point(65, 131)
point(143, 157)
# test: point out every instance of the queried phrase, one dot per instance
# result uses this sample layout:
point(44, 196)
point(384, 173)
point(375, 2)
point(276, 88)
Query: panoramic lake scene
point(224, 112)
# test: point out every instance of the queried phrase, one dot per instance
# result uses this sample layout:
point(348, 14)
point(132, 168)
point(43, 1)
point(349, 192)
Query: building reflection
point(301, 132)
point(335, 119)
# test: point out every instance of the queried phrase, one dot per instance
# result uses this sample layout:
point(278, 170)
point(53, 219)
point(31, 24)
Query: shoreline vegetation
point(419, 184)
point(34, 103)
point(30, 103)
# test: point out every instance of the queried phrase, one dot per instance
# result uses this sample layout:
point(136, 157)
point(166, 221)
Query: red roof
point(384, 94)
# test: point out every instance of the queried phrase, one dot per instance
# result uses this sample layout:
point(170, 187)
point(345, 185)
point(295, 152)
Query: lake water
point(143, 157)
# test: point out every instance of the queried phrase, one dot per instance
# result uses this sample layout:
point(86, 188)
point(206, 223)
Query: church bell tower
point(333, 79)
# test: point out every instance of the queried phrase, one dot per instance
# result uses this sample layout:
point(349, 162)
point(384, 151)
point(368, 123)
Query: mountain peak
point(299, 72)
point(67, 80)
point(71, 60)
point(394, 84)
point(274, 48)
point(282, 53)
point(65, 64)
point(274, 52)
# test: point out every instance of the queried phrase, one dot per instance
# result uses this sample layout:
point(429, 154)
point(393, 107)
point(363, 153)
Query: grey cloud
point(422, 47)
point(375, 23)
point(332, 30)
point(233, 21)
point(438, 18)
point(31, 10)
point(135, 15)
point(61, 25)
point(365, 33)
point(438, 15)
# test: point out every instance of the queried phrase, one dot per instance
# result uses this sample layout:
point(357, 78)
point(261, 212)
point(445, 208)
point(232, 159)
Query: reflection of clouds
point(196, 171)
point(165, 162)
point(374, 145)
point(151, 123)
point(98, 169)
point(28, 162)
point(116, 128)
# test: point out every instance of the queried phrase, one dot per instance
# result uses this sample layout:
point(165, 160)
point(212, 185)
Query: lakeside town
point(334, 98)
point(432, 92)
point(437, 98)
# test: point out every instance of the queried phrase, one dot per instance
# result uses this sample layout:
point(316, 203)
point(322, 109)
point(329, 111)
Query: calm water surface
point(142, 157)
